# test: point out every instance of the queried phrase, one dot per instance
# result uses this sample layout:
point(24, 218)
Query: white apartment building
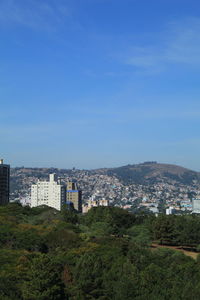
point(51, 193)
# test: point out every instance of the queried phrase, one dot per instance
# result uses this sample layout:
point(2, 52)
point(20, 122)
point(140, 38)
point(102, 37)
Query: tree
point(163, 229)
point(117, 218)
point(69, 215)
point(140, 235)
point(43, 280)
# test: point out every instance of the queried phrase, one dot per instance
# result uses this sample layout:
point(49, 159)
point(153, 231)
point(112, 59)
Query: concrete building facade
point(170, 210)
point(196, 205)
point(94, 203)
point(74, 195)
point(4, 183)
point(51, 193)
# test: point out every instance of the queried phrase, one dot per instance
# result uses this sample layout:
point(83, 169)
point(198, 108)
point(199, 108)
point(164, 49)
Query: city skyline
point(101, 83)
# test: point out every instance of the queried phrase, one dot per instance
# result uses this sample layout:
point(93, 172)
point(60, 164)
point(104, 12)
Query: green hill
point(149, 173)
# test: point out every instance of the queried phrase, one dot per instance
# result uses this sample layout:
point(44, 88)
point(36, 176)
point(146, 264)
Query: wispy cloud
point(179, 44)
point(46, 15)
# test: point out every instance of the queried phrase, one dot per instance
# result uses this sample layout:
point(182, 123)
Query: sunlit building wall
point(51, 193)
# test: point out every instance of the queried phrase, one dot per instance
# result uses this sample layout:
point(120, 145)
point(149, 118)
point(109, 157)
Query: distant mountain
point(153, 172)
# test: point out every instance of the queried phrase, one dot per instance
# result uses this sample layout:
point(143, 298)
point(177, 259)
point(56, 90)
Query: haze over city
point(99, 83)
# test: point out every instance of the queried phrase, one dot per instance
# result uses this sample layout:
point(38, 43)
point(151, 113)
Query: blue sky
point(99, 83)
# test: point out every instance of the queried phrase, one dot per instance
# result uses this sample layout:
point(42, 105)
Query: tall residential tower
point(51, 193)
point(74, 195)
point(4, 183)
point(196, 205)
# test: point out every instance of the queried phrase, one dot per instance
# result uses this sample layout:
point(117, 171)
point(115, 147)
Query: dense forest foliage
point(105, 254)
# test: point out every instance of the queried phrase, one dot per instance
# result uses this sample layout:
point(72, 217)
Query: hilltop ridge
point(152, 172)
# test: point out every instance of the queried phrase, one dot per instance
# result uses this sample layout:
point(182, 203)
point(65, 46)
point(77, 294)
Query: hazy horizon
point(100, 167)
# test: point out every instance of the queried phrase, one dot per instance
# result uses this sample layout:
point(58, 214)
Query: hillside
point(152, 172)
point(90, 181)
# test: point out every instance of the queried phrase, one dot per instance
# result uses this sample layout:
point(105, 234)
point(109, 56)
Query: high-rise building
point(196, 205)
point(51, 193)
point(4, 183)
point(74, 195)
